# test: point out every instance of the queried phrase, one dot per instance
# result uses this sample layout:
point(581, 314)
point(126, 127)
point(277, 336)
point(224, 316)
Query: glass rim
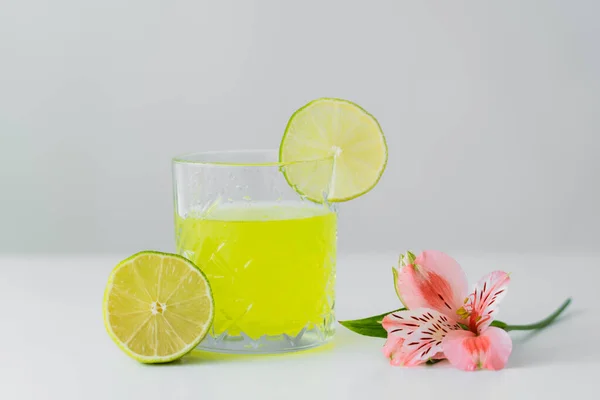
point(188, 158)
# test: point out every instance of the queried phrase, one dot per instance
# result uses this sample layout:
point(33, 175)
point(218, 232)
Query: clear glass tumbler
point(269, 252)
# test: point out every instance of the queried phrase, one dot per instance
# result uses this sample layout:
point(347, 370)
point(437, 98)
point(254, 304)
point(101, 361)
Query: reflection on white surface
point(54, 344)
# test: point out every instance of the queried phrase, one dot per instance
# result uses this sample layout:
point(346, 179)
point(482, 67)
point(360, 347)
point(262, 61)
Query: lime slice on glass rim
point(157, 306)
point(337, 129)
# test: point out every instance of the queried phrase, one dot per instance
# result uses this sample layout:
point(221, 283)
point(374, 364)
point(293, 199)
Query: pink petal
point(392, 350)
point(435, 280)
point(469, 352)
point(482, 304)
point(402, 323)
point(422, 331)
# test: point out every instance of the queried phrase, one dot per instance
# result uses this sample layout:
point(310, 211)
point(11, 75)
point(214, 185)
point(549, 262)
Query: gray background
point(491, 112)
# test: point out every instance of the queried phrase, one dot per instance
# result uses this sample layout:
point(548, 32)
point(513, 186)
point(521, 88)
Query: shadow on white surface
point(537, 349)
point(343, 341)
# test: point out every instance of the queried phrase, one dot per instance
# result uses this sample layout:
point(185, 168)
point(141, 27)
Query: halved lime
point(157, 306)
point(337, 129)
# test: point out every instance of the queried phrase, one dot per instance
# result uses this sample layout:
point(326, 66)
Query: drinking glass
point(268, 252)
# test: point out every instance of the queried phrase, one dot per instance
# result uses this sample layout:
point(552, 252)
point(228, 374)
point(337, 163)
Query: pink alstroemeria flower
point(433, 287)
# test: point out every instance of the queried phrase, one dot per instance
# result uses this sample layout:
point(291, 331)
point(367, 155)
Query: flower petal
point(403, 323)
point(469, 352)
point(482, 304)
point(392, 350)
point(422, 331)
point(435, 280)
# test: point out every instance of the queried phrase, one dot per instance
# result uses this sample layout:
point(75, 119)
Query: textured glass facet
point(268, 253)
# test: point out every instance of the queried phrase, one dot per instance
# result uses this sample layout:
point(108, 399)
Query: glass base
point(243, 344)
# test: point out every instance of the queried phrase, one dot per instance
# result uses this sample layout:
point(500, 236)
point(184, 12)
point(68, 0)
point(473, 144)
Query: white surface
point(53, 344)
point(489, 108)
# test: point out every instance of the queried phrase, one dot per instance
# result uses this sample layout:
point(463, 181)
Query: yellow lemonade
point(271, 266)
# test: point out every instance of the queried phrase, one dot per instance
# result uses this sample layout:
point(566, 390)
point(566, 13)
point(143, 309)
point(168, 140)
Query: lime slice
point(157, 306)
point(337, 129)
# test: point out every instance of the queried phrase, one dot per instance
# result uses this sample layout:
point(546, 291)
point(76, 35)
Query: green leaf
point(370, 326)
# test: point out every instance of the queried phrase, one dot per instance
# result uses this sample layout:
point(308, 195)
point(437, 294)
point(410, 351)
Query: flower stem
point(537, 325)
